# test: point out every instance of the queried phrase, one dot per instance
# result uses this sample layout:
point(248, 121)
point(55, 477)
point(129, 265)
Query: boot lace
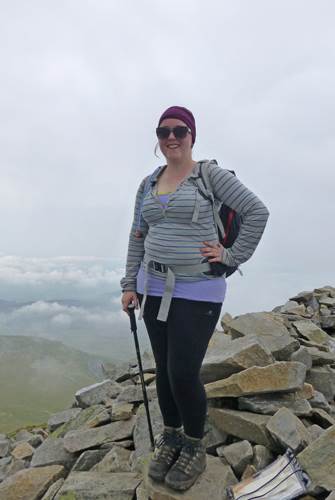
point(166, 446)
point(187, 457)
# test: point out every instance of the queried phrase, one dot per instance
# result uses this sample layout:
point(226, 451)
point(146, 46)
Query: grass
point(38, 377)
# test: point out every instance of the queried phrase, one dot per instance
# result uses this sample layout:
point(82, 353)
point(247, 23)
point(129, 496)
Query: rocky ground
point(270, 383)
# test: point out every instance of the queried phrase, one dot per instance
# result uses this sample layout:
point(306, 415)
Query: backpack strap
point(205, 188)
point(147, 186)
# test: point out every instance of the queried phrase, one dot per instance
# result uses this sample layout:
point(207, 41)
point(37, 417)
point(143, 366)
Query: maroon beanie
point(182, 114)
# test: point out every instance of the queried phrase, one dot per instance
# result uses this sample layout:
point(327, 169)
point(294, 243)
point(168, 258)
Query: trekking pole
point(133, 327)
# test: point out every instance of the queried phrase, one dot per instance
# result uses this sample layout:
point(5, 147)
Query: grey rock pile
point(270, 384)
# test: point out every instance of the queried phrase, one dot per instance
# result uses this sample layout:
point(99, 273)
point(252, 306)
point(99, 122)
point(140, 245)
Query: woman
point(172, 241)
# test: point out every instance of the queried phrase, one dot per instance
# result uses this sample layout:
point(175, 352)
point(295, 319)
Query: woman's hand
point(213, 251)
point(127, 299)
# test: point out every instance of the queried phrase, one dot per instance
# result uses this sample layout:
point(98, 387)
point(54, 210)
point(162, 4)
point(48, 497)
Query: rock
point(331, 496)
point(62, 417)
point(211, 484)
point(319, 401)
point(116, 460)
point(311, 332)
point(127, 443)
point(262, 457)
point(23, 451)
point(315, 431)
point(288, 431)
point(323, 379)
point(122, 372)
point(318, 460)
point(218, 342)
point(50, 494)
point(308, 343)
point(97, 393)
point(303, 356)
point(10, 466)
point(83, 420)
point(304, 297)
point(226, 320)
point(147, 377)
point(23, 435)
point(279, 376)
point(30, 484)
point(141, 433)
point(122, 411)
point(4, 447)
point(4, 465)
point(325, 290)
point(269, 404)
point(35, 440)
point(262, 324)
point(328, 321)
point(213, 437)
point(141, 493)
point(306, 392)
point(320, 357)
point(40, 432)
point(240, 354)
point(293, 307)
point(327, 301)
point(52, 452)
point(269, 329)
point(88, 459)
point(99, 486)
point(88, 438)
point(118, 372)
point(238, 455)
point(134, 394)
point(242, 424)
point(99, 419)
point(322, 418)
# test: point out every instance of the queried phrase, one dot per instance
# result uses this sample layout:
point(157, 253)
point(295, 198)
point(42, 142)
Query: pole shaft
point(139, 360)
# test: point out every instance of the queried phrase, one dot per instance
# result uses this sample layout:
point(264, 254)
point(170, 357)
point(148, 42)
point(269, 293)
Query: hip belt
point(169, 272)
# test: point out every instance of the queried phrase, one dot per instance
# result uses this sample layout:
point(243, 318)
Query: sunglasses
point(179, 132)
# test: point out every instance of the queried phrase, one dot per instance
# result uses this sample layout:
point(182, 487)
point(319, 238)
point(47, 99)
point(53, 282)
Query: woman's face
point(172, 148)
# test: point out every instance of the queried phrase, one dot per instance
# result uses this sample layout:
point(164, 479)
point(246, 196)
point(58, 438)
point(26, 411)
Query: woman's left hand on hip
point(213, 251)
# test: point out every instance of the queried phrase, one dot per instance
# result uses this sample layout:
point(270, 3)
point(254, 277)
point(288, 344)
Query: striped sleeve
point(135, 246)
point(228, 189)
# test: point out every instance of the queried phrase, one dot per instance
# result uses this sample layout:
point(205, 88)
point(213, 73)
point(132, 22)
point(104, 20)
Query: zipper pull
point(239, 270)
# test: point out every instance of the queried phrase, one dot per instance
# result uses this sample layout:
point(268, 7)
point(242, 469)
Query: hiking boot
point(167, 449)
point(190, 464)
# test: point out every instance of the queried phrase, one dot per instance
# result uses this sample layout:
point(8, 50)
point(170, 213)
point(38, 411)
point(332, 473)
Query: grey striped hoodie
point(169, 236)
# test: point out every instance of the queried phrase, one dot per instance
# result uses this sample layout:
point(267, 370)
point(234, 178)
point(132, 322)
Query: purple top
point(213, 290)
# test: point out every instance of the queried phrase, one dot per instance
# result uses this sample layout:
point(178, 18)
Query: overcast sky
point(84, 82)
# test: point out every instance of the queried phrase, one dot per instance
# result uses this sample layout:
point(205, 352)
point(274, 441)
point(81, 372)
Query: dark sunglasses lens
point(162, 132)
point(180, 132)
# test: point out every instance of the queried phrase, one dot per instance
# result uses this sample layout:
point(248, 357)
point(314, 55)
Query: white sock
point(193, 439)
point(173, 429)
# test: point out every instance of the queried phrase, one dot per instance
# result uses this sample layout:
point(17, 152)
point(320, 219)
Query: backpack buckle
point(157, 266)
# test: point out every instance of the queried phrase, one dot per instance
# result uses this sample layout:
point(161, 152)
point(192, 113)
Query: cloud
point(56, 314)
point(74, 273)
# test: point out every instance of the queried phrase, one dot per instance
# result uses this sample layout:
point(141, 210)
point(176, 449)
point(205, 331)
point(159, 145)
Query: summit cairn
point(270, 384)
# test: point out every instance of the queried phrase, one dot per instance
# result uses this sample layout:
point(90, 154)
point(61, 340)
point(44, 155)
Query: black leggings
point(179, 346)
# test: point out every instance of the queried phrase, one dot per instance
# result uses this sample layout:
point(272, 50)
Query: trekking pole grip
point(131, 311)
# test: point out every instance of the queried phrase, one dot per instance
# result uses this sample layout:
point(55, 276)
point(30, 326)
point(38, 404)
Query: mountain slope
point(39, 377)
